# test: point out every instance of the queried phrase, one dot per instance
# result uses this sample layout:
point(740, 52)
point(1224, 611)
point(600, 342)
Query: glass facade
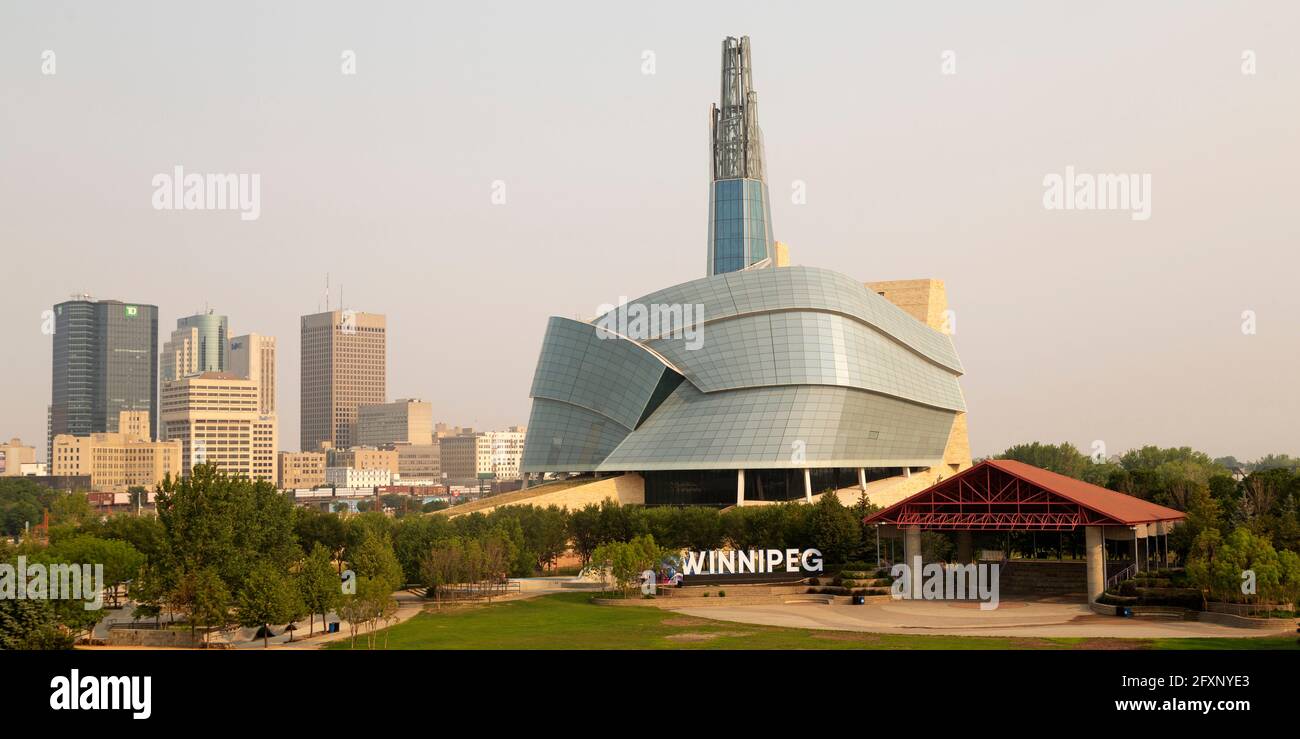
point(105, 361)
point(791, 368)
point(214, 345)
point(740, 225)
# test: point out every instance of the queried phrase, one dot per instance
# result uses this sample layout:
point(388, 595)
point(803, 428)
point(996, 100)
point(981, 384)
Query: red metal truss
point(986, 498)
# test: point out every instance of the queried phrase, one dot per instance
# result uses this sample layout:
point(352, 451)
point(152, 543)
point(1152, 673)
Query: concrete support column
point(912, 556)
point(807, 485)
point(1137, 556)
point(740, 487)
point(523, 480)
point(907, 472)
point(965, 547)
point(862, 479)
point(1095, 552)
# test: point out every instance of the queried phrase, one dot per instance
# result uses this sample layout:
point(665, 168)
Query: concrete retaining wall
point(152, 638)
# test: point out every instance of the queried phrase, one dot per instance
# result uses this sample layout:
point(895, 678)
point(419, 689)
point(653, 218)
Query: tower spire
point(740, 218)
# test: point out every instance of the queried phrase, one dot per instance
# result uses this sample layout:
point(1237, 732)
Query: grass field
point(569, 621)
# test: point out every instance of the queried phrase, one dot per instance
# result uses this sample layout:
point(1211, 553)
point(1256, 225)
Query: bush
point(722, 593)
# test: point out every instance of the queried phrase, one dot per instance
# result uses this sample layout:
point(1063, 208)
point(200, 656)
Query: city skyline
point(1072, 326)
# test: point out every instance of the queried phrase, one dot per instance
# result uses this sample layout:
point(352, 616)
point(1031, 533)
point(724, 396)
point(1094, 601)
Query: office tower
point(213, 331)
point(215, 416)
point(252, 357)
point(105, 361)
point(117, 462)
point(740, 216)
point(344, 365)
point(403, 421)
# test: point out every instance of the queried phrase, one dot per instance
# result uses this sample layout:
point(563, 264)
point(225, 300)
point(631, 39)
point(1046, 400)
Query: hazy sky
point(1072, 325)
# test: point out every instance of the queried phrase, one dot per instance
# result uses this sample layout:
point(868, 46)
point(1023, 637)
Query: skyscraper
point(252, 356)
point(344, 364)
point(740, 216)
point(105, 362)
point(197, 345)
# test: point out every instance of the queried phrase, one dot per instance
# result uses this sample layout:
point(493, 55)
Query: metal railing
point(1122, 575)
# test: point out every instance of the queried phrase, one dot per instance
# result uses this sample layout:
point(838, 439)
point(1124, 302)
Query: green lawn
point(569, 621)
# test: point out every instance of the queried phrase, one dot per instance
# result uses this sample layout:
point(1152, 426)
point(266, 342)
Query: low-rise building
point(419, 461)
point(14, 455)
point(116, 462)
point(301, 470)
point(364, 458)
point(351, 477)
point(482, 454)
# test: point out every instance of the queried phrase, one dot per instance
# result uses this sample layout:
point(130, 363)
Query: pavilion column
point(807, 485)
point(912, 555)
point(1137, 560)
point(862, 479)
point(907, 472)
point(523, 481)
point(965, 547)
point(740, 487)
point(1095, 550)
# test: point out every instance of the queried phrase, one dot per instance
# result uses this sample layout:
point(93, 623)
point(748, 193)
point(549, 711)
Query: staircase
point(1036, 577)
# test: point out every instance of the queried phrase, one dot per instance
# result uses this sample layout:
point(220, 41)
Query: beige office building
point(363, 458)
point(481, 454)
point(301, 470)
point(344, 366)
point(117, 462)
point(215, 417)
point(14, 455)
point(419, 461)
point(403, 421)
point(252, 357)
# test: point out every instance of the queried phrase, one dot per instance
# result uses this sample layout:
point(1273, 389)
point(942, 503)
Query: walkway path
point(1042, 618)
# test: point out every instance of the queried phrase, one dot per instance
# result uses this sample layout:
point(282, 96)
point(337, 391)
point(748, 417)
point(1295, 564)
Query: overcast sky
point(1072, 325)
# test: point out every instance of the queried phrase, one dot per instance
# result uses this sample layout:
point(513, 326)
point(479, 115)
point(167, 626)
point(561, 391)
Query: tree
point(70, 508)
point(835, 530)
point(202, 596)
point(314, 527)
point(121, 561)
point(1063, 459)
point(268, 596)
point(584, 531)
point(318, 585)
point(31, 625)
point(373, 558)
point(228, 524)
point(441, 566)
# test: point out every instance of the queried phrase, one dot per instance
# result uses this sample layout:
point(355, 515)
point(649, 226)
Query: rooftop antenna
point(327, 292)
